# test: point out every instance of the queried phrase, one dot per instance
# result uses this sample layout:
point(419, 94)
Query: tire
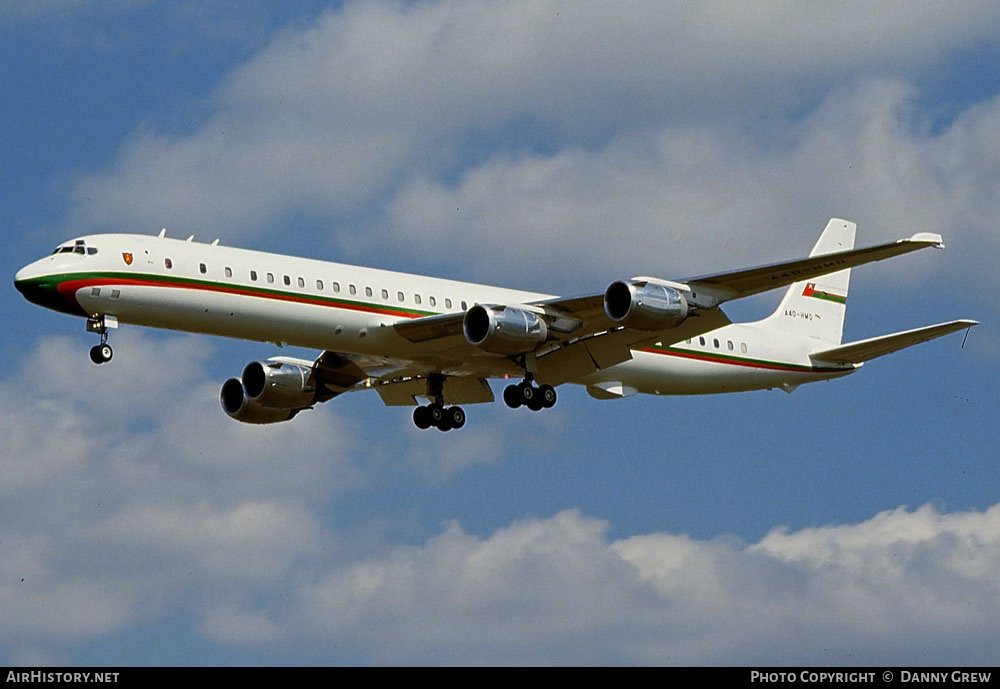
point(512, 396)
point(456, 417)
point(528, 394)
point(95, 354)
point(422, 418)
point(548, 396)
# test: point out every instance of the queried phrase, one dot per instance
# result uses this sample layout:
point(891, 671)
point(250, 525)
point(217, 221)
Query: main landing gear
point(528, 395)
point(436, 414)
point(101, 353)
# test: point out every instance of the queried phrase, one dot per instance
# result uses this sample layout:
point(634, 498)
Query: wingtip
point(927, 238)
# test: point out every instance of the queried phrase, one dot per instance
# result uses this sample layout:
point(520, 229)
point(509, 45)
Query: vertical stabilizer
point(815, 308)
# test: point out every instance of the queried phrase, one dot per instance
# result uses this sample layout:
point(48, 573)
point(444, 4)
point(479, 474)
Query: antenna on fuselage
point(190, 238)
point(163, 233)
point(215, 242)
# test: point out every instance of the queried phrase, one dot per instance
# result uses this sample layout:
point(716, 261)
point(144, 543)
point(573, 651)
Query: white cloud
point(335, 115)
point(702, 198)
point(904, 587)
point(229, 624)
point(126, 488)
point(119, 533)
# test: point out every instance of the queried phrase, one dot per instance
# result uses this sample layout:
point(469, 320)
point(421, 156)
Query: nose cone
point(44, 291)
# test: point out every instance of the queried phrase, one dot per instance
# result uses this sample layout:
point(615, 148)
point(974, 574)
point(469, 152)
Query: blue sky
point(548, 146)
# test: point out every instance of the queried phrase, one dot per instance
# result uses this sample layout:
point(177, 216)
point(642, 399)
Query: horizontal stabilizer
point(863, 350)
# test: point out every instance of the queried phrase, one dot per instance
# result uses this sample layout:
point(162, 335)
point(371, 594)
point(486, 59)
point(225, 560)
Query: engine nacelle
point(281, 385)
point(269, 392)
point(646, 306)
point(504, 329)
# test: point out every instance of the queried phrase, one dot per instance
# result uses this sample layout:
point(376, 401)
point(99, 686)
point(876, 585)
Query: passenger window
point(716, 342)
point(168, 263)
point(353, 289)
point(270, 277)
point(385, 295)
point(319, 285)
point(464, 307)
point(433, 301)
point(336, 287)
point(743, 347)
point(229, 272)
point(202, 268)
point(701, 341)
point(447, 302)
point(287, 280)
point(730, 344)
point(368, 291)
point(416, 298)
point(253, 275)
point(399, 295)
point(302, 282)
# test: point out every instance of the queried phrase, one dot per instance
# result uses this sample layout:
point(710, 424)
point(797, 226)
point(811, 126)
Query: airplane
point(411, 337)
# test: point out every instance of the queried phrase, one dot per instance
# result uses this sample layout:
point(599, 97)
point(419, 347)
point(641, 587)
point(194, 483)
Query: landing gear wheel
point(512, 396)
point(101, 353)
point(548, 395)
point(422, 418)
point(455, 416)
point(528, 393)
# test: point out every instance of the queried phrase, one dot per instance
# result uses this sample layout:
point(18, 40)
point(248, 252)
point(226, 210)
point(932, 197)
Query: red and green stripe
point(811, 291)
point(70, 284)
point(732, 360)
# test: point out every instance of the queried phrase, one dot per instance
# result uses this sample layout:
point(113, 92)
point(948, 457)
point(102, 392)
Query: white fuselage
point(219, 290)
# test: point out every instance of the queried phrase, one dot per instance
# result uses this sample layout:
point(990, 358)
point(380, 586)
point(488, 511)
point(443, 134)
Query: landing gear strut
point(436, 414)
point(101, 353)
point(526, 394)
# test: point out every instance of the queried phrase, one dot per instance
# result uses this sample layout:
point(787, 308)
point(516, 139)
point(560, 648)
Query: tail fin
point(816, 308)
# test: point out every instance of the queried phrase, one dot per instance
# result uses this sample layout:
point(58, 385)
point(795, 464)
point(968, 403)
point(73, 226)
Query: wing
point(397, 382)
point(715, 289)
point(583, 339)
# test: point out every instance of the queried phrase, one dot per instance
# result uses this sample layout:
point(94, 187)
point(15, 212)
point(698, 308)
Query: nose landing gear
point(101, 353)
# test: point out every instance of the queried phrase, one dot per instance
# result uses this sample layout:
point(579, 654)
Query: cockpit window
point(78, 247)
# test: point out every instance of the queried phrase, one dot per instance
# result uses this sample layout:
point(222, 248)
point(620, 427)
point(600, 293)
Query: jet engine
point(269, 392)
point(504, 329)
point(645, 305)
